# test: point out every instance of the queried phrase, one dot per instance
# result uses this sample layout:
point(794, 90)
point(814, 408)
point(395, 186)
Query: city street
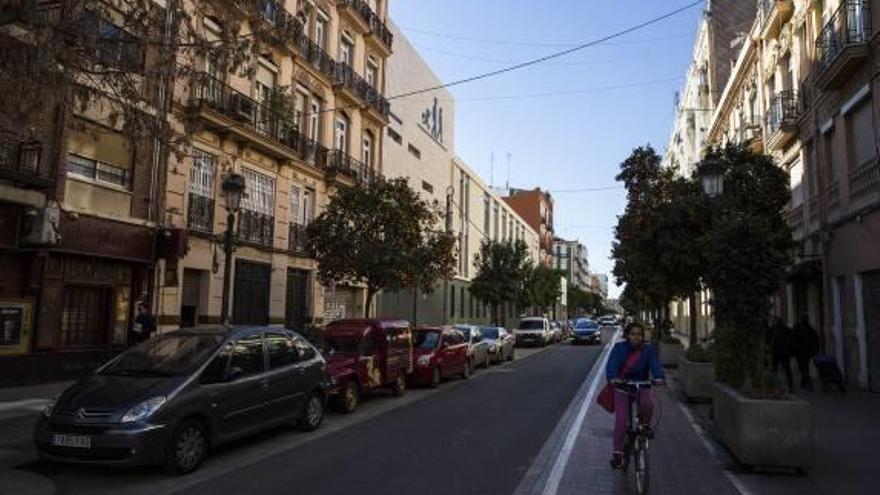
point(479, 436)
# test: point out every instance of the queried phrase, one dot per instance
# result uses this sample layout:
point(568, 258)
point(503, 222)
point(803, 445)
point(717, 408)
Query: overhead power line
point(545, 44)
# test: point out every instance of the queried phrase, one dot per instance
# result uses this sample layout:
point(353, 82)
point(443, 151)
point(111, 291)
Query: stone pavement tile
point(680, 462)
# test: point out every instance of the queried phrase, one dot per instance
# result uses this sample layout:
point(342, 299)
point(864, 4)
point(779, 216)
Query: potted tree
point(696, 373)
point(748, 246)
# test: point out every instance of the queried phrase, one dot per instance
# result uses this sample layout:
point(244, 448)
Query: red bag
point(606, 396)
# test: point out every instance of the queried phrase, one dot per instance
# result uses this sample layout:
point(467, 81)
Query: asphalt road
point(476, 436)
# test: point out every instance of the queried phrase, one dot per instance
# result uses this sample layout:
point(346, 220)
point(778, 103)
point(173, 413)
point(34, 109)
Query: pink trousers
point(622, 402)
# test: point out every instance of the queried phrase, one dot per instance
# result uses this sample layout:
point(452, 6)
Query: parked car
point(172, 398)
point(364, 355)
point(439, 353)
point(608, 321)
point(555, 332)
point(533, 330)
point(478, 350)
point(586, 331)
point(502, 345)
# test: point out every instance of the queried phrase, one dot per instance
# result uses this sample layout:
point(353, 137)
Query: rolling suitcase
point(829, 373)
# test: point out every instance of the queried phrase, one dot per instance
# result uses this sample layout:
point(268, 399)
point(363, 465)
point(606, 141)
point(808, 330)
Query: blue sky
point(619, 95)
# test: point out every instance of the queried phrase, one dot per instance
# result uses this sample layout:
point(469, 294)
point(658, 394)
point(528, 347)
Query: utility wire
point(544, 44)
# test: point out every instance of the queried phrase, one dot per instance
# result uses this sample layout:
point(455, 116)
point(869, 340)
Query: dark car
point(502, 345)
point(586, 331)
point(478, 348)
point(171, 398)
point(439, 353)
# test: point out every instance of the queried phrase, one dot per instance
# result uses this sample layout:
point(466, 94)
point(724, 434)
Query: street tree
point(502, 269)
point(579, 300)
point(748, 249)
point(383, 236)
point(542, 288)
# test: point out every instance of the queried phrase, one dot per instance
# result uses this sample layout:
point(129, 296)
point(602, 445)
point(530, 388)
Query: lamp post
point(233, 186)
point(711, 177)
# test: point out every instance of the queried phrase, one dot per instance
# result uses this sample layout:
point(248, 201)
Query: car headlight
point(143, 410)
point(424, 360)
point(50, 406)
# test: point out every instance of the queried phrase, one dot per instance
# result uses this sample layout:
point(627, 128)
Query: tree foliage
point(542, 288)
point(502, 270)
point(384, 236)
point(581, 302)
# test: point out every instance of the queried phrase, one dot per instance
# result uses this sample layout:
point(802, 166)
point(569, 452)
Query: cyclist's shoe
point(617, 460)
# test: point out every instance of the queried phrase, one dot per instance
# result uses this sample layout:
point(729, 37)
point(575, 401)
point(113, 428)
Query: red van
point(440, 352)
point(363, 355)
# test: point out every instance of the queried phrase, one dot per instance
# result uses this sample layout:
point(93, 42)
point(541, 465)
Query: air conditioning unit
point(243, 108)
point(41, 227)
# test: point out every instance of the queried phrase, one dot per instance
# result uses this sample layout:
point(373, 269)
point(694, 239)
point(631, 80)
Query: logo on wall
point(432, 119)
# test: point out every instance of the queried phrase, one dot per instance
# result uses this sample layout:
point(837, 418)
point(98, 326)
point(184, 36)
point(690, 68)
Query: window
point(321, 31)
point(215, 372)
point(299, 110)
point(497, 219)
point(367, 153)
point(281, 350)
point(84, 316)
point(504, 226)
point(257, 218)
point(341, 141)
point(315, 120)
point(860, 135)
point(97, 171)
point(372, 72)
point(395, 136)
point(415, 151)
point(346, 50)
point(427, 187)
point(265, 87)
point(247, 357)
point(114, 47)
point(796, 178)
point(452, 301)
point(487, 216)
point(269, 9)
point(200, 215)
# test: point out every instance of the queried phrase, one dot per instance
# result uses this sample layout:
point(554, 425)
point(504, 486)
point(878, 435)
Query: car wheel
point(435, 377)
point(468, 369)
point(313, 414)
point(399, 387)
point(488, 361)
point(512, 355)
point(188, 448)
point(351, 398)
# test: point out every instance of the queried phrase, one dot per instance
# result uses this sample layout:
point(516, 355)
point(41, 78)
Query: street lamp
point(712, 179)
point(233, 186)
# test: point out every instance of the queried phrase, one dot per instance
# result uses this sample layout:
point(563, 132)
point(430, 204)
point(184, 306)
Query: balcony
point(255, 228)
point(21, 162)
point(200, 213)
point(814, 211)
point(782, 119)
point(774, 14)
point(750, 133)
point(297, 240)
point(833, 201)
point(795, 219)
point(358, 88)
point(342, 165)
point(864, 183)
point(315, 56)
point(842, 45)
point(370, 22)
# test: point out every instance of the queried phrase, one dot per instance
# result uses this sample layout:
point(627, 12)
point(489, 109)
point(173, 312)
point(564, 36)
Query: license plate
point(75, 441)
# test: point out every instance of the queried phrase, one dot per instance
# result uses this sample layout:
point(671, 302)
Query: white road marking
point(571, 435)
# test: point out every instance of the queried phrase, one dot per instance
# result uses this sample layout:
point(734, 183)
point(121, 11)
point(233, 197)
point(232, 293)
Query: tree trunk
point(495, 313)
point(369, 302)
point(692, 320)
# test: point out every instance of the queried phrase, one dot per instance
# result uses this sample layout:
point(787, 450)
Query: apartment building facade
point(536, 208)
point(803, 91)
point(570, 257)
point(420, 147)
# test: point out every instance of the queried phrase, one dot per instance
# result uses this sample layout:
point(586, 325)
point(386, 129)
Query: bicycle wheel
point(641, 471)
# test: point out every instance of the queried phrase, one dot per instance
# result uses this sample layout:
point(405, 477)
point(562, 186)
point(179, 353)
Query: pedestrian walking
point(632, 359)
point(781, 349)
point(806, 345)
point(144, 323)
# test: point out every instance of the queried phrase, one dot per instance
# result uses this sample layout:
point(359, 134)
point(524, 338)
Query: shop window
point(84, 316)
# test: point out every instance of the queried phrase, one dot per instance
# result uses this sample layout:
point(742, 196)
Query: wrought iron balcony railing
point(784, 109)
point(864, 180)
point(297, 241)
point(347, 77)
point(377, 27)
point(257, 228)
point(849, 25)
point(343, 164)
point(313, 53)
point(21, 161)
point(200, 215)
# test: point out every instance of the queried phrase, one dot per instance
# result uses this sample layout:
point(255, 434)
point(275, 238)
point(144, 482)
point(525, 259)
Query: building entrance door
point(297, 299)
point(252, 285)
point(871, 281)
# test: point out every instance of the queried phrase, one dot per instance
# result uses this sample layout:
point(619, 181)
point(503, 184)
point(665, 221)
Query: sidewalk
point(681, 462)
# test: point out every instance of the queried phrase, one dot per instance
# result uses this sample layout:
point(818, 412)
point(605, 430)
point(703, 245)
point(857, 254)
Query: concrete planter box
point(697, 379)
point(776, 433)
point(670, 354)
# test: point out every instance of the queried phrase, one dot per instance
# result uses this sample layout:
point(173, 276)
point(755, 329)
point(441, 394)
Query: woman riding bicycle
point(632, 359)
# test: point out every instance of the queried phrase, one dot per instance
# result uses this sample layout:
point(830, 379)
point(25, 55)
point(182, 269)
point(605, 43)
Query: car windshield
point(489, 332)
point(336, 345)
point(466, 331)
point(586, 325)
point(531, 325)
point(168, 355)
point(426, 340)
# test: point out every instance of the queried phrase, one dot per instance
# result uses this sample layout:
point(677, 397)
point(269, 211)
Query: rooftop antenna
point(507, 184)
point(492, 169)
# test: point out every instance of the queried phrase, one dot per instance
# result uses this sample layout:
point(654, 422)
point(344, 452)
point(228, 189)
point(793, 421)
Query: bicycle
point(638, 436)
